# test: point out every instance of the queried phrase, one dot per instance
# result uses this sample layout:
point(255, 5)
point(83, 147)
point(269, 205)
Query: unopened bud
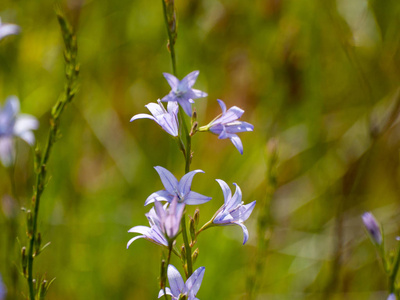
point(192, 230)
point(193, 130)
point(183, 253)
point(24, 260)
point(195, 254)
point(196, 216)
point(163, 274)
point(29, 224)
point(38, 243)
point(372, 227)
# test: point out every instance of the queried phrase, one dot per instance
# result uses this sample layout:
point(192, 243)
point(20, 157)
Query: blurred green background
point(319, 76)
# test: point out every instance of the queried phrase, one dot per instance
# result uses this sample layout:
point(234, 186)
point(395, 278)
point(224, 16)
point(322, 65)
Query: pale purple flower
point(173, 188)
point(372, 227)
point(8, 29)
point(227, 125)
point(167, 119)
point(164, 223)
point(392, 297)
point(233, 212)
point(179, 288)
point(182, 92)
point(3, 290)
point(13, 124)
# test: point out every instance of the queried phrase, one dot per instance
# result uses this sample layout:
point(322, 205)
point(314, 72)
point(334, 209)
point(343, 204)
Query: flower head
point(392, 297)
point(372, 227)
point(167, 119)
point(164, 223)
point(227, 125)
point(182, 92)
point(13, 124)
point(233, 212)
point(8, 29)
point(179, 287)
point(173, 188)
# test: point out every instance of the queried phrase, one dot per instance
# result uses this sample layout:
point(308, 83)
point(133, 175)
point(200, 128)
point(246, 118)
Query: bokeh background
point(320, 78)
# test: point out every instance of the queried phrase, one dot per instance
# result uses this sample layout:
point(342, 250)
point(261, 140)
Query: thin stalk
point(170, 38)
point(393, 274)
point(187, 247)
point(170, 248)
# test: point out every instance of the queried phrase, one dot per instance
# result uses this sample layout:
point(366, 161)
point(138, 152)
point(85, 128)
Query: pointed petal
point(156, 109)
point(248, 209)
point(172, 80)
point(237, 142)
point(189, 79)
point(222, 105)
point(187, 107)
point(186, 182)
point(245, 231)
point(28, 137)
point(169, 181)
point(170, 97)
point(167, 290)
point(140, 229)
point(231, 115)
point(238, 126)
point(235, 200)
point(11, 108)
point(225, 190)
point(173, 107)
point(175, 281)
point(198, 94)
point(169, 123)
point(194, 282)
point(134, 239)
point(162, 195)
point(8, 29)
point(160, 211)
point(142, 116)
point(24, 123)
point(194, 198)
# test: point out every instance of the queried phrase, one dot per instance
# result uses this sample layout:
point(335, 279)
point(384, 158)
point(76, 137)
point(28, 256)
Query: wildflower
point(392, 297)
point(233, 212)
point(182, 92)
point(227, 125)
point(372, 227)
point(180, 189)
point(13, 124)
point(179, 288)
point(8, 29)
point(167, 119)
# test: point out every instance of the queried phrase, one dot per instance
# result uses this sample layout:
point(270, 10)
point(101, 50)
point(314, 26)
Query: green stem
point(170, 38)
point(170, 248)
point(187, 247)
point(393, 274)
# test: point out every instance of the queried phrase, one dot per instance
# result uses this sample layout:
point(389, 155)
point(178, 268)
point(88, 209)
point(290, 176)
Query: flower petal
point(142, 116)
point(235, 200)
point(169, 181)
point(172, 80)
point(170, 97)
point(189, 79)
point(8, 29)
point(162, 195)
point(194, 198)
point(186, 182)
point(232, 114)
point(194, 282)
point(237, 142)
point(245, 231)
point(140, 229)
point(28, 137)
point(7, 151)
point(134, 239)
point(246, 212)
point(198, 94)
point(11, 108)
point(225, 190)
point(167, 291)
point(175, 281)
point(238, 126)
point(156, 109)
point(187, 107)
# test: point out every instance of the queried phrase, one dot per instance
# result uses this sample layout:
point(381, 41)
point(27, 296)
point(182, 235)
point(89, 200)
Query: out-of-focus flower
point(392, 297)
point(179, 288)
point(167, 119)
point(182, 92)
point(233, 212)
point(3, 290)
point(8, 29)
point(152, 233)
point(173, 188)
point(13, 124)
point(227, 125)
point(372, 227)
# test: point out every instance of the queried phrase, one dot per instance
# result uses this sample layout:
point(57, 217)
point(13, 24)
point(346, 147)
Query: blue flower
point(168, 120)
point(392, 297)
point(173, 188)
point(8, 29)
point(372, 227)
point(182, 92)
point(227, 125)
point(233, 212)
point(179, 288)
point(164, 223)
point(13, 124)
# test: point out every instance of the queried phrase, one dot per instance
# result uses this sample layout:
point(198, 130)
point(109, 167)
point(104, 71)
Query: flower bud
point(372, 227)
point(163, 274)
point(24, 260)
point(183, 253)
point(196, 216)
point(195, 255)
point(192, 230)
point(29, 224)
point(38, 243)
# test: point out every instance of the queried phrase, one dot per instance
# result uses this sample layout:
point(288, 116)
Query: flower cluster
point(167, 222)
